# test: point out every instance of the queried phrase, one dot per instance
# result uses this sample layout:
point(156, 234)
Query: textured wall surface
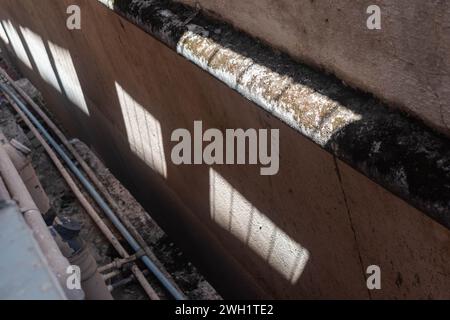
point(309, 232)
point(406, 63)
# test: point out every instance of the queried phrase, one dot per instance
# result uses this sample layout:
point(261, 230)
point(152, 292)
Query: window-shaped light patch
point(68, 76)
point(233, 212)
point(3, 34)
point(16, 43)
point(40, 57)
point(143, 131)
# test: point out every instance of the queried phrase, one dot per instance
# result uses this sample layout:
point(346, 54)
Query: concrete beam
point(405, 63)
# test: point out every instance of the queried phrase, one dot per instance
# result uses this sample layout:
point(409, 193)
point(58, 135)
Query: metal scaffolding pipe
point(98, 199)
point(83, 201)
point(92, 176)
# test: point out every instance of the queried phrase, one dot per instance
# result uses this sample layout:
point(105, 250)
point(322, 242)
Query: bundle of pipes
point(22, 185)
point(13, 187)
point(109, 207)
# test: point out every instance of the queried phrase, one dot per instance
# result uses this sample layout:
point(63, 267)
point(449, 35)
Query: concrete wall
point(406, 63)
point(309, 232)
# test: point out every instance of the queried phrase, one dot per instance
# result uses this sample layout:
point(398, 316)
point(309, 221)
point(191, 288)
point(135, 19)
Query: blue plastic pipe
point(94, 194)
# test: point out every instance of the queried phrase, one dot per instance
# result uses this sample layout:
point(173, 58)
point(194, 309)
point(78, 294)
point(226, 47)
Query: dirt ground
point(64, 203)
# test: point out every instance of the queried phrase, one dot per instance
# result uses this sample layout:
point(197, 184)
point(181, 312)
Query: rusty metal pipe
point(19, 192)
point(91, 280)
point(92, 176)
point(82, 199)
point(110, 275)
point(117, 263)
point(147, 260)
point(66, 232)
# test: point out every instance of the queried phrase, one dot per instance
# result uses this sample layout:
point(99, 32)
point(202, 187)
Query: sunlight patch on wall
point(68, 76)
point(144, 132)
point(233, 212)
point(3, 34)
point(17, 44)
point(40, 57)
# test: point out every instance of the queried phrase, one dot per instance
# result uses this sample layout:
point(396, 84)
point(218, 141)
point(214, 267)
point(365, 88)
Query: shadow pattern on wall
point(286, 236)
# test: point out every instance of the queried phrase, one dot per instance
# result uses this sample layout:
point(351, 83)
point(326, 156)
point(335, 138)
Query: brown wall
point(308, 232)
point(406, 63)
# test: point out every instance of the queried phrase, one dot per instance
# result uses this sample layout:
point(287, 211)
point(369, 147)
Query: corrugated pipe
point(98, 199)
